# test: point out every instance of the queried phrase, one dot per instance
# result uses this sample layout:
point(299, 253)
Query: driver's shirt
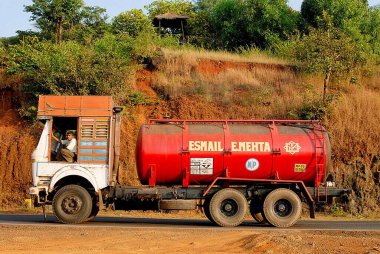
point(70, 144)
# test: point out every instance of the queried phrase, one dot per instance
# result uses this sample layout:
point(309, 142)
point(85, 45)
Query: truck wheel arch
point(71, 173)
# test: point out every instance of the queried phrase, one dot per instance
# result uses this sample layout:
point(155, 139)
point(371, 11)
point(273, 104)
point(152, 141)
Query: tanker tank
point(169, 151)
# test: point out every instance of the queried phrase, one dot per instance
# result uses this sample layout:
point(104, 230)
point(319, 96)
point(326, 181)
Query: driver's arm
point(56, 139)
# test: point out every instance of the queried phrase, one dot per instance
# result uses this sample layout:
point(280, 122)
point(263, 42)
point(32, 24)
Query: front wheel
point(228, 207)
point(94, 212)
point(72, 204)
point(282, 208)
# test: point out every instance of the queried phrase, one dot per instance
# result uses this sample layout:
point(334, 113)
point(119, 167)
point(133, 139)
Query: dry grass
point(252, 56)
point(242, 89)
point(355, 136)
point(355, 116)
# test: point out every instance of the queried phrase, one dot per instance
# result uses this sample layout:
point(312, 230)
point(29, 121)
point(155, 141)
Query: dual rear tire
point(256, 210)
point(228, 207)
point(282, 208)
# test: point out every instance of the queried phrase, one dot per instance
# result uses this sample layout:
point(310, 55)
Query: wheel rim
point(71, 204)
point(229, 207)
point(283, 208)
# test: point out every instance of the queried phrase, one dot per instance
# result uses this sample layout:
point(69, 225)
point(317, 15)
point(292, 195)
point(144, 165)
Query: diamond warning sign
point(201, 166)
point(292, 147)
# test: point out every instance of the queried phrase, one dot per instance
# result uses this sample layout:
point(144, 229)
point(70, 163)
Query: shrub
point(72, 68)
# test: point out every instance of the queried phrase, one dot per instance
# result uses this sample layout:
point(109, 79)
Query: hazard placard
point(201, 166)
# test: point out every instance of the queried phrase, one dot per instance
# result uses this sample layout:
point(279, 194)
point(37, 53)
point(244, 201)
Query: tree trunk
point(326, 83)
point(58, 30)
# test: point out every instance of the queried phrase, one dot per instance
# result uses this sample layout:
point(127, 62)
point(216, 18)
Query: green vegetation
point(66, 17)
point(230, 24)
point(242, 59)
point(132, 23)
point(329, 52)
point(182, 7)
point(77, 51)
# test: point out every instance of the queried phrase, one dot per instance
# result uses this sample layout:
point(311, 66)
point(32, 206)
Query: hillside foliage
point(241, 59)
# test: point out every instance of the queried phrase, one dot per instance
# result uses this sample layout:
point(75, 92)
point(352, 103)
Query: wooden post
point(159, 27)
point(183, 31)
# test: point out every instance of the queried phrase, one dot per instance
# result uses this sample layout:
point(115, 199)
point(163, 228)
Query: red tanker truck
point(224, 167)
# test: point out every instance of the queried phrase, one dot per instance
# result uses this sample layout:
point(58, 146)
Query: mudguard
point(73, 171)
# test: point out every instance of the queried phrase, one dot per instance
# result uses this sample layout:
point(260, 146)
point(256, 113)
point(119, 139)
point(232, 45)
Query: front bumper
point(39, 195)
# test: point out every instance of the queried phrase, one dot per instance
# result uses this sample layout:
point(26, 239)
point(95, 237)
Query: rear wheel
point(282, 208)
point(228, 207)
point(256, 210)
point(259, 218)
point(206, 209)
point(72, 204)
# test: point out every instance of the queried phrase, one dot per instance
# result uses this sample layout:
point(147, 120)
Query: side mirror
point(117, 109)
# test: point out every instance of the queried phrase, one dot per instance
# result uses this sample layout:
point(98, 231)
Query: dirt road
point(194, 221)
point(28, 234)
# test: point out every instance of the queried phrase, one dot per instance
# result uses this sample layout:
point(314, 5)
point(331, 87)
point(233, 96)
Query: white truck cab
point(92, 119)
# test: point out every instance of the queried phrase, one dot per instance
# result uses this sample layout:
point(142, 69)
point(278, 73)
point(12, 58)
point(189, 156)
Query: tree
point(350, 17)
point(90, 24)
point(71, 68)
point(228, 21)
point(132, 23)
point(230, 24)
point(200, 24)
point(330, 52)
point(52, 16)
point(374, 30)
point(270, 21)
point(182, 7)
point(354, 18)
point(3, 54)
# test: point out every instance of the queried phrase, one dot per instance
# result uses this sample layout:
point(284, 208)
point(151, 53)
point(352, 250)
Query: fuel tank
point(181, 152)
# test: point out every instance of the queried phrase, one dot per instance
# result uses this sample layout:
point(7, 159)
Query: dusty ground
point(58, 238)
point(77, 239)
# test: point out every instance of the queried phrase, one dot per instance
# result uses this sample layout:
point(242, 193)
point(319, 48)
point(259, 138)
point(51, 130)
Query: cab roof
point(74, 106)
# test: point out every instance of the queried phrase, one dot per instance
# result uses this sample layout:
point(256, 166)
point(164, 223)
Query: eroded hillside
point(202, 85)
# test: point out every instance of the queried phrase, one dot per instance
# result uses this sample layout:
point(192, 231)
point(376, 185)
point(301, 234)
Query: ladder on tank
point(319, 146)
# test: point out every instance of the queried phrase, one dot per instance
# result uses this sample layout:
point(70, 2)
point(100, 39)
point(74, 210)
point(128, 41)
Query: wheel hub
point(229, 207)
point(71, 204)
point(283, 208)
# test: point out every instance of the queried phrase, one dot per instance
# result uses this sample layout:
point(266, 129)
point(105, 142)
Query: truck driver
point(69, 149)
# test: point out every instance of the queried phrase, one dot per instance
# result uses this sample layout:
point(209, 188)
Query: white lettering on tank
point(255, 147)
point(191, 146)
point(234, 146)
point(203, 146)
point(197, 145)
point(267, 147)
point(210, 147)
point(220, 146)
point(216, 146)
